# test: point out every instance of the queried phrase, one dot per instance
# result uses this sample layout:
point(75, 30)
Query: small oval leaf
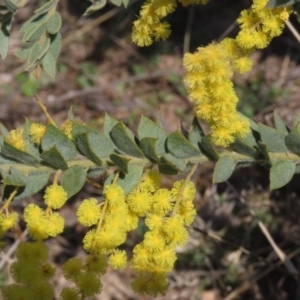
point(281, 173)
point(224, 168)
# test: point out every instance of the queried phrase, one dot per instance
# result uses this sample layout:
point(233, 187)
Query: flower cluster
point(42, 224)
point(166, 215)
point(208, 78)
point(85, 276)
point(31, 273)
point(210, 69)
point(150, 27)
point(113, 219)
point(259, 24)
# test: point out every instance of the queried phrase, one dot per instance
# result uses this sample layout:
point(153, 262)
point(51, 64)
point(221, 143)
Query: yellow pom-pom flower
point(72, 268)
point(153, 241)
point(55, 196)
point(114, 194)
point(89, 239)
point(69, 294)
point(44, 290)
point(16, 139)
point(67, 128)
point(188, 191)
point(139, 201)
point(36, 132)
point(118, 260)
point(55, 224)
point(89, 284)
point(36, 222)
point(162, 202)
point(32, 252)
point(88, 212)
point(96, 263)
point(154, 221)
point(8, 221)
point(16, 291)
point(151, 181)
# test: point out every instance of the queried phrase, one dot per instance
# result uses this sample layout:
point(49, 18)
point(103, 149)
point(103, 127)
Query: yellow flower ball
point(88, 212)
point(55, 196)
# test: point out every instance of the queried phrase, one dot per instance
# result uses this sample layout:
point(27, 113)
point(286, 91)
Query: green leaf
point(273, 139)
point(240, 146)
point(3, 130)
point(33, 22)
point(46, 7)
point(11, 5)
point(281, 173)
point(35, 31)
point(15, 177)
point(183, 131)
point(96, 172)
point(35, 183)
point(174, 162)
point(38, 50)
point(280, 3)
point(116, 2)
point(208, 149)
point(79, 128)
point(54, 23)
point(95, 6)
point(180, 147)
point(297, 122)
point(73, 180)
point(83, 145)
point(5, 26)
point(55, 44)
point(280, 125)
point(128, 181)
point(149, 129)
point(124, 141)
point(108, 125)
point(224, 168)
point(126, 2)
point(100, 144)
point(53, 137)
point(264, 150)
point(252, 138)
point(49, 64)
point(121, 162)
point(18, 155)
point(23, 53)
point(71, 114)
point(148, 146)
point(94, 145)
point(196, 133)
point(54, 158)
point(292, 141)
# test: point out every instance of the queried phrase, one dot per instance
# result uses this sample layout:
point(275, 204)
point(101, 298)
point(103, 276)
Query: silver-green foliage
point(280, 3)
point(41, 33)
point(90, 153)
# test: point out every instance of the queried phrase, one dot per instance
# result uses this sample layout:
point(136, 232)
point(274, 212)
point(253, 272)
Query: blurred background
point(100, 70)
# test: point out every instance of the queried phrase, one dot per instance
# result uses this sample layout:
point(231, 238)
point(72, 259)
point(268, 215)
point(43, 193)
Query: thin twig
point(12, 249)
point(293, 30)
point(227, 31)
point(282, 256)
point(261, 274)
point(187, 34)
point(88, 27)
